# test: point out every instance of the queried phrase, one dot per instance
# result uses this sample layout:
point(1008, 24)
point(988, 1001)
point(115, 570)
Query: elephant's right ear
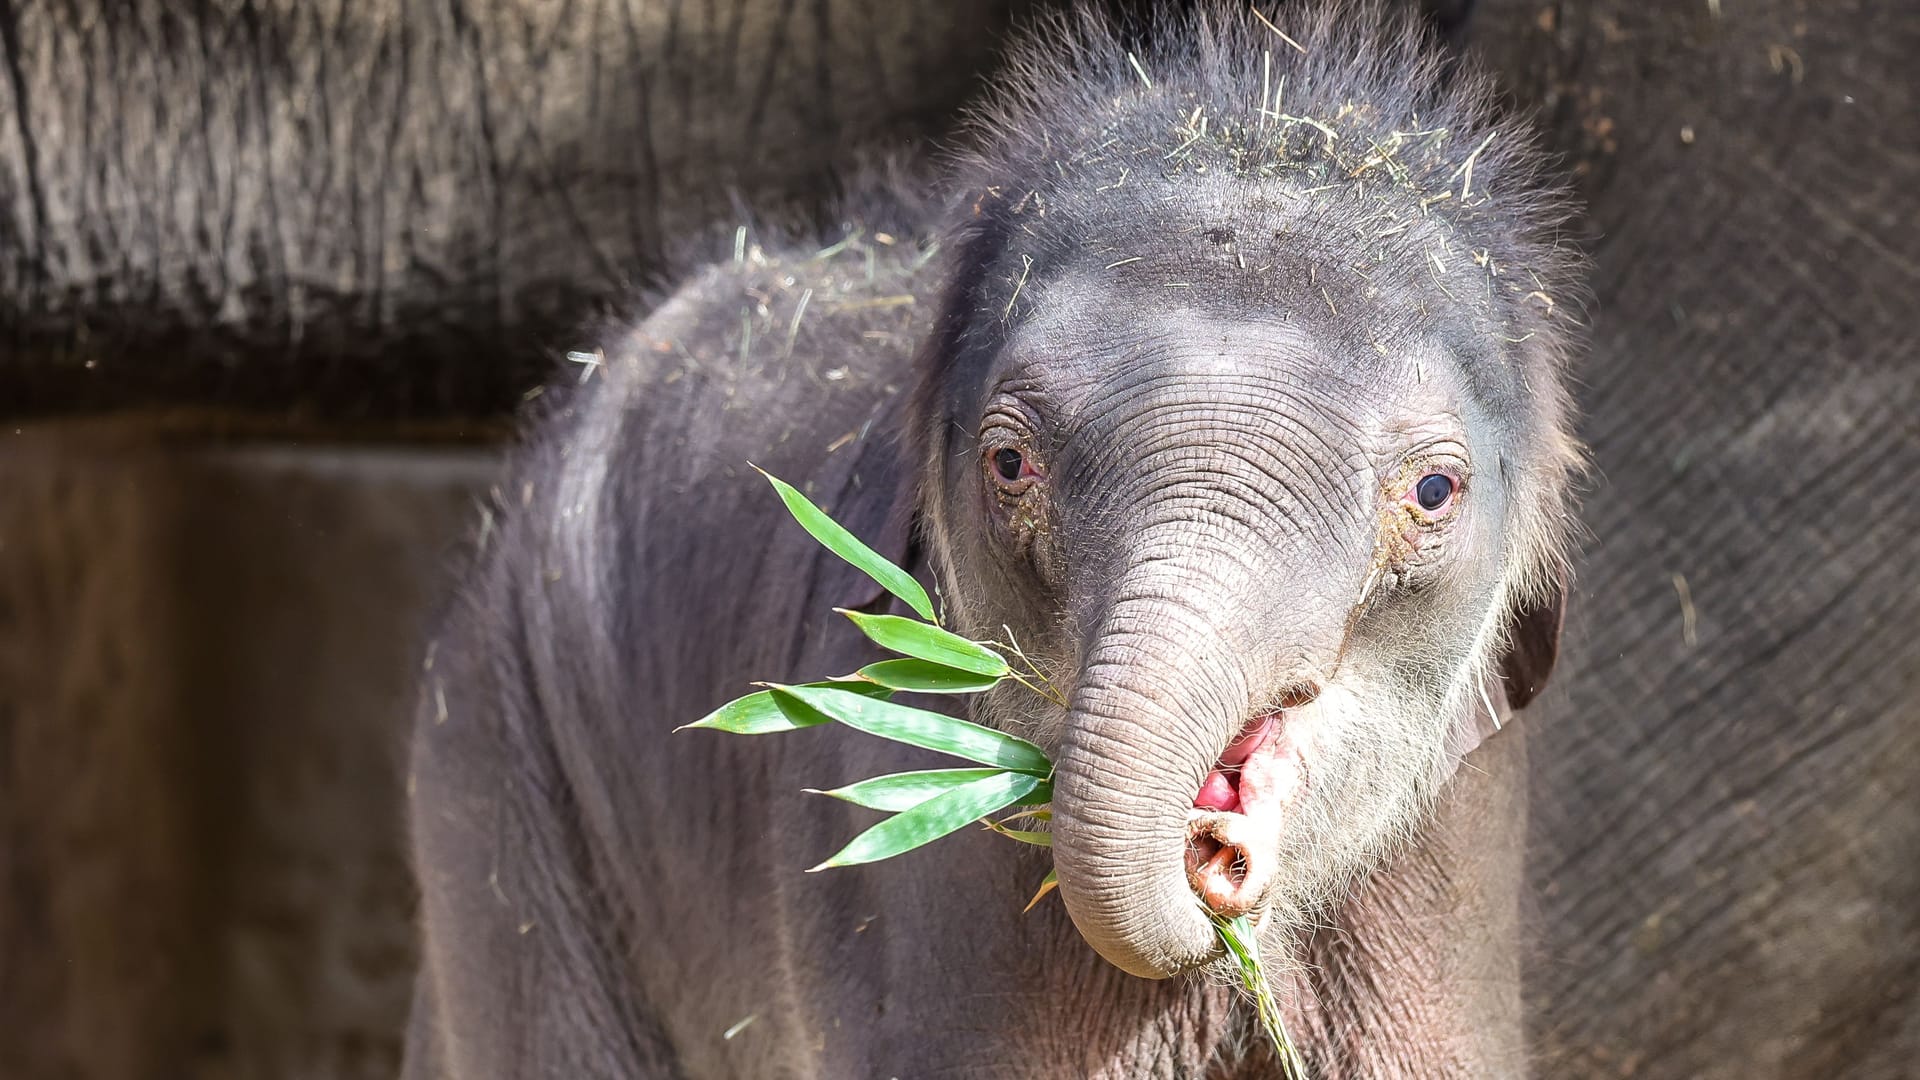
point(1533, 643)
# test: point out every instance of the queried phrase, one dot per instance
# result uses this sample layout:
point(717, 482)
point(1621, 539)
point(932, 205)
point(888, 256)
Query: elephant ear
point(1533, 644)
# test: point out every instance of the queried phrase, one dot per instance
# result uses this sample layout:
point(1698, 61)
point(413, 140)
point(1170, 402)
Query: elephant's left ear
point(1533, 644)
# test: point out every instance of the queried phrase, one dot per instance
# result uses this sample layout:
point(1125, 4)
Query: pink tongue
point(1242, 748)
point(1217, 793)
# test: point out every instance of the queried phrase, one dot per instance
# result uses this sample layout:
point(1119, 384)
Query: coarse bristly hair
point(1253, 164)
point(1385, 156)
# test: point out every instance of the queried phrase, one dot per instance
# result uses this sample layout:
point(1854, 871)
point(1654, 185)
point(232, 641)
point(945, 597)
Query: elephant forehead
point(1222, 426)
point(1177, 372)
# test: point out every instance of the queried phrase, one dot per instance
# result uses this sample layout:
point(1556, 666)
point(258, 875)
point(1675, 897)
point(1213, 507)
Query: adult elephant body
point(399, 210)
point(1725, 804)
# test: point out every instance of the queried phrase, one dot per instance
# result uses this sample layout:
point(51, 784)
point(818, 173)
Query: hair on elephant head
point(1246, 410)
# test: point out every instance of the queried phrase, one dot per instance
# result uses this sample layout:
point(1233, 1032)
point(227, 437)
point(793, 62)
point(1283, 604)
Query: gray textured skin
point(603, 899)
point(1725, 826)
point(1223, 524)
point(396, 207)
point(400, 209)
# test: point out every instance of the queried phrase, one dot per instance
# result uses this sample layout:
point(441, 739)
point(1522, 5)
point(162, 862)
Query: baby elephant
point(1227, 377)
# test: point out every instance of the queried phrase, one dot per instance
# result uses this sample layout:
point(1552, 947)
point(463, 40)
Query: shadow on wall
point(206, 659)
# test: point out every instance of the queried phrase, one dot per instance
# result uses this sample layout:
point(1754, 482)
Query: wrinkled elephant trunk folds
point(1159, 698)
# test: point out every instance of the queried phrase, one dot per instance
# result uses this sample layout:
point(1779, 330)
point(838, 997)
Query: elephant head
point(1247, 419)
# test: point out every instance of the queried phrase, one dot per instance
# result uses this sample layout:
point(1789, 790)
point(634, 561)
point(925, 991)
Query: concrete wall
point(205, 664)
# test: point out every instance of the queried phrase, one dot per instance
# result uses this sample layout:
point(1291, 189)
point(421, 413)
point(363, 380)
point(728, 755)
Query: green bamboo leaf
point(1047, 885)
point(933, 819)
point(1243, 945)
point(904, 791)
point(763, 714)
point(848, 546)
point(1041, 796)
point(928, 642)
point(926, 677)
point(918, 727)
point(1037, 839)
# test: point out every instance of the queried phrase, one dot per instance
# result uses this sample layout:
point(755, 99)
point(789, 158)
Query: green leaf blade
point(1047, 885)
point(927, 642)
point(1025, 836)
point(1041, 796)
point(928, 730)
point(926, 677)
point(835, 538)
point(764, 714)
point(904, 791)
point(933, 819)
point(1237, 934)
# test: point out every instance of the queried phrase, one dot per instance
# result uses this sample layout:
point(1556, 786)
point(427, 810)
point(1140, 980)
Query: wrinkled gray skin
point(401, 208)
point(1223, 402)
point(1725, 793)
point(1221, 521)
point(397, 207)
point(603, 899)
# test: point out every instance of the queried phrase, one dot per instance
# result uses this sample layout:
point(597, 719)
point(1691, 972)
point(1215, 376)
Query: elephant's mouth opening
point(1233, 831)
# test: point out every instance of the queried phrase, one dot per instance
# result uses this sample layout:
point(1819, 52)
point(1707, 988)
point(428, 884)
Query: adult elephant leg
point(1727, 799)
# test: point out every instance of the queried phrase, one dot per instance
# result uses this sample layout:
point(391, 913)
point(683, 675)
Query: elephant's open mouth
point(1233, 833)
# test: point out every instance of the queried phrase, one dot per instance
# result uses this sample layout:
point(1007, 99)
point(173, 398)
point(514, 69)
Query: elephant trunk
point(1160, 696)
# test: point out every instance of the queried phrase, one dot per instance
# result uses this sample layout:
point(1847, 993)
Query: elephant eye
point(1008, 464)
point(1434, 491)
